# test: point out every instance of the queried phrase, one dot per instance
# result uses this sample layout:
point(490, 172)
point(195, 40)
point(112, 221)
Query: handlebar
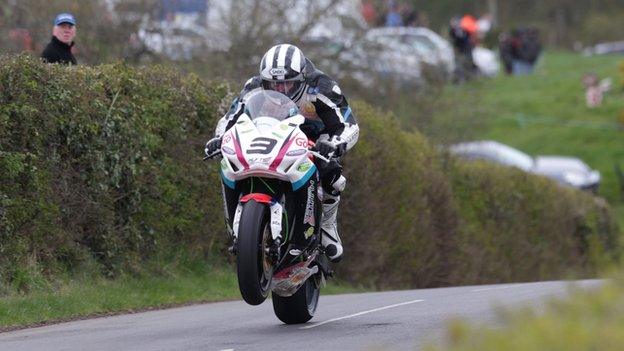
point(318, 155)
point(206, 158)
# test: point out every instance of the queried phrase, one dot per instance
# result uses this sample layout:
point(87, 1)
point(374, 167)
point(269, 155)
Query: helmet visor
point(286, 87)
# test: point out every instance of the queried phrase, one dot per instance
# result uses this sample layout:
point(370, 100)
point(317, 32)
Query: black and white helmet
point(282, 69)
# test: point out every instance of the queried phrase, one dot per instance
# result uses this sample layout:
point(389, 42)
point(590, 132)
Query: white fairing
point(267, 146)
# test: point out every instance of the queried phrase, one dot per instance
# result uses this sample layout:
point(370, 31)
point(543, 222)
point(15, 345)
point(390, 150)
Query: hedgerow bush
point(102, 163)
point(413, 216)
point(514, 226)
point(101, 166)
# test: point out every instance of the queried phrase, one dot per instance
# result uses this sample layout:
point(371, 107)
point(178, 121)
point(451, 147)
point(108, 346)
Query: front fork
point(233, 204)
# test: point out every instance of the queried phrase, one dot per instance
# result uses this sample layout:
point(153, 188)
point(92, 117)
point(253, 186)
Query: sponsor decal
point(303, 142)
point(309, 111)
point(227, 138)
point(296, 152)
point(304, 167)
point(313, 90)
point(308, 217)
point(228, 150)
point(264, 160)
point(308, 233)
point(278, 135)
point(284, 127)
point(308, 108)
point(336, 89)
point(277, 71)
point(276, 220)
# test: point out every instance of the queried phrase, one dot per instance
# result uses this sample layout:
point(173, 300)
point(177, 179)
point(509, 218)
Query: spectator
point(526, 50)
point(410, 15)
point(461, 37)
point(393, 17)
point(595, 89)
point(369, 13)
point(519, 50)
point(59, 50)
point(505, 48)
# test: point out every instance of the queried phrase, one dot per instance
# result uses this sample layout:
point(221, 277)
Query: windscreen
point(269, 103)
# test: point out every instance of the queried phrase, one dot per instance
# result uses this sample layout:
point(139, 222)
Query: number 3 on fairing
point(263, 146)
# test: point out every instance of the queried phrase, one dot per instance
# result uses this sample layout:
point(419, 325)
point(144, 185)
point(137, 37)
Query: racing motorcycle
point(268, 163)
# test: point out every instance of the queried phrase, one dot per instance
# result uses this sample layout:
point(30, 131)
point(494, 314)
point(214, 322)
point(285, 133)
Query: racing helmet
point(282, 70)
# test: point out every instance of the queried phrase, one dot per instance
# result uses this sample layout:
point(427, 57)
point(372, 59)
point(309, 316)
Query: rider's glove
point(332, 147)
point(213, 147)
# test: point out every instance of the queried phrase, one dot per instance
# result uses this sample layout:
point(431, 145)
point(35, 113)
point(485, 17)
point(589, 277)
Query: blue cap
point(65, 18)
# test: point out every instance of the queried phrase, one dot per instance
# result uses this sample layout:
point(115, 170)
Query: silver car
point(399, 53)
point(423, 43)
point(569, 171)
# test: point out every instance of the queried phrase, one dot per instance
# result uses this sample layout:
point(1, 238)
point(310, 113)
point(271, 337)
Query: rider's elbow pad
point(350, 134)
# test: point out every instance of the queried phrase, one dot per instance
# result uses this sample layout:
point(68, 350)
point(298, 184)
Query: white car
point(569, 171)
point(425, 44)
point(486, 61)
point(398, 53)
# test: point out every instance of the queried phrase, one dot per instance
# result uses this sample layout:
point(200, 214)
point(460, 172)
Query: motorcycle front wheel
point(301, 306)
point(253, 265)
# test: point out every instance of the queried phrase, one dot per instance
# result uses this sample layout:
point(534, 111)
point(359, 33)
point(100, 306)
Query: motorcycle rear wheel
point(301, 306)
point(253, 266)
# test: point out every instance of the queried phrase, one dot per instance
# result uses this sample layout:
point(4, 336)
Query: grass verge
point(588, 320)
point(86, 297)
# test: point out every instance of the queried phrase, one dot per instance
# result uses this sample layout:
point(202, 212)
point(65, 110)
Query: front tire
point(301, 306)
point(253, 266)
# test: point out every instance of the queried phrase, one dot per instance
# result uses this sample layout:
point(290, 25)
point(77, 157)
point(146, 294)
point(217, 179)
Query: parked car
point(486, 61)
point(616, 47)
point(399, 54)
point(569, 171)
point(425, 44)
point(175, 42)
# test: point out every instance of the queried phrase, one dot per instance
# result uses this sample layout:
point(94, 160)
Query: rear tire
point(301, 306)
point(253, 268)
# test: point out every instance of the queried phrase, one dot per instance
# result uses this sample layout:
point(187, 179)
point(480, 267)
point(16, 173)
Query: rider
point(330, 123)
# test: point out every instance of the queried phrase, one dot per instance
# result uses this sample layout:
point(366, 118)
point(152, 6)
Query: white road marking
point(227, 350)
point(497, 288)
point(360, 313)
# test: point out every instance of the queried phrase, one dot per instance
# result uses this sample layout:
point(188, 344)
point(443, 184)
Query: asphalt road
point(399, 320)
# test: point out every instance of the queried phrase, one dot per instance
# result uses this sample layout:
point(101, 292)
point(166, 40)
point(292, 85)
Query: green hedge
point(103, 164)
point(413, 216)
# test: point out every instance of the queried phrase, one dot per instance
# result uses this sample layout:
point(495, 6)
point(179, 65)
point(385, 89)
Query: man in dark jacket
point(63, 34)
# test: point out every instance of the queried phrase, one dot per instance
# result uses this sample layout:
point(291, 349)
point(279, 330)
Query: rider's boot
point(329, 228)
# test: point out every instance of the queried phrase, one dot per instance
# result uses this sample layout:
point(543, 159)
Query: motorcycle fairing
point(250, 149)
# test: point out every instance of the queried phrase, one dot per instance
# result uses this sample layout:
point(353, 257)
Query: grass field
point(544, 114)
